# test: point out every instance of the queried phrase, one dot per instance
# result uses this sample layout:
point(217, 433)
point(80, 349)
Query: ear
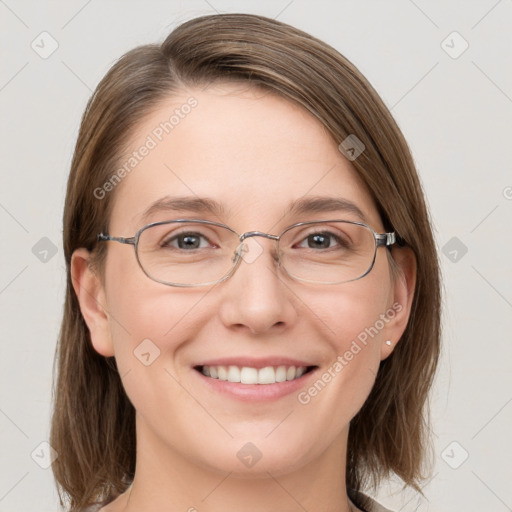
point(91, 296)
point(401, 297)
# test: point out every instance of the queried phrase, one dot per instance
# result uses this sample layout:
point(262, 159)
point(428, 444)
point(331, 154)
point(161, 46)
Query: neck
point(166, 481)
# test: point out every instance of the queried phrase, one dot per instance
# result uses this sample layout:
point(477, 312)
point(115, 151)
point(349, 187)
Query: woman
point(269, 340)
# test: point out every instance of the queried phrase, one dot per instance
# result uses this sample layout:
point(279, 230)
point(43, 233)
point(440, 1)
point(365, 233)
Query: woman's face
point(255, 155)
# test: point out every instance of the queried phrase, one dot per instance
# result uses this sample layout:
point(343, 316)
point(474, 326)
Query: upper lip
point(253, 362)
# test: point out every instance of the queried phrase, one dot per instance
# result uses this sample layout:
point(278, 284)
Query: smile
point(251, 375)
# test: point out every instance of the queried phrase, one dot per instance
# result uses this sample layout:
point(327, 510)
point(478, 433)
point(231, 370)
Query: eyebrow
point(192, 204)
point(202, 205)
point(325, 205)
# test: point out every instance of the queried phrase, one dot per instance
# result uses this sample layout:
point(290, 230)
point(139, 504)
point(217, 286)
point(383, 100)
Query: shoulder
point(94, 508)
point(377, 507)
point(370, 504)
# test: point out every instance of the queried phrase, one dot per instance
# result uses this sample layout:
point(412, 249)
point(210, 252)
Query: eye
point(187, 241)
point(323, 240)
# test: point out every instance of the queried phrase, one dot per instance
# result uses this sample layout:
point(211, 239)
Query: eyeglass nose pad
point(238, 252)
point(249, 250)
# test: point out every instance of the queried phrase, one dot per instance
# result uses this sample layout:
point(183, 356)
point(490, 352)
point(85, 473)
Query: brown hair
point(93, 425)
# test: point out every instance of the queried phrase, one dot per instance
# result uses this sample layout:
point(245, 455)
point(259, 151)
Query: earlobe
point(91, 296)
point(401, 298)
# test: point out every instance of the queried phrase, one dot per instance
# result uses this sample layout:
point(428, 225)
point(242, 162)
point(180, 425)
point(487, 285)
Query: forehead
point(249, 151)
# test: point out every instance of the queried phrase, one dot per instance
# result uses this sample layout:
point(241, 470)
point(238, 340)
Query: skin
point(254, 153)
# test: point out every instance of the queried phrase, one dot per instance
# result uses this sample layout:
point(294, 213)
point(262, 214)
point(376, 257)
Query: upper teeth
point(249, 375)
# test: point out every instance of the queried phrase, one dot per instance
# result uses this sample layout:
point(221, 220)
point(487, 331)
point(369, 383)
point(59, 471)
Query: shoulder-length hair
point(93, 424)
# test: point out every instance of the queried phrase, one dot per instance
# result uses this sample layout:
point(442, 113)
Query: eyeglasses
point(189, 253)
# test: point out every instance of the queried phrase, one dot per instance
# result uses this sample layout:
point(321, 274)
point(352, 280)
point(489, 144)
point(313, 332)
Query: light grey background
point(455, 110)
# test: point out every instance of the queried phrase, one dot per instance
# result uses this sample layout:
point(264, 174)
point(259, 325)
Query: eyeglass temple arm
point(107, 238)
point(385, 239)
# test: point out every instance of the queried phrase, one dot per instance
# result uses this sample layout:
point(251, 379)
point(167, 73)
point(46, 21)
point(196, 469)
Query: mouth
point(251, 375)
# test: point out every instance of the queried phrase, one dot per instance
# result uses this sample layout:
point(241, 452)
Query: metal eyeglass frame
point(381, 239)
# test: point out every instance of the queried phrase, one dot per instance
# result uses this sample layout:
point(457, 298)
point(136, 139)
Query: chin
point(254, 457)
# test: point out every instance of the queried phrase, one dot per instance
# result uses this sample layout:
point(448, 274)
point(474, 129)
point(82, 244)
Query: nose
point(257, 297)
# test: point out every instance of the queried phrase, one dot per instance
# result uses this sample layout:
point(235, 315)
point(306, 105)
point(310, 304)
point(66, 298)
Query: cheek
point(353, 318)
point(353, 312)
point(151, 330)
point(147, 317)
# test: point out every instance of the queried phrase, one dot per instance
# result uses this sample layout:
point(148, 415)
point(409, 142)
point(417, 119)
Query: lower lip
point(256, 392)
